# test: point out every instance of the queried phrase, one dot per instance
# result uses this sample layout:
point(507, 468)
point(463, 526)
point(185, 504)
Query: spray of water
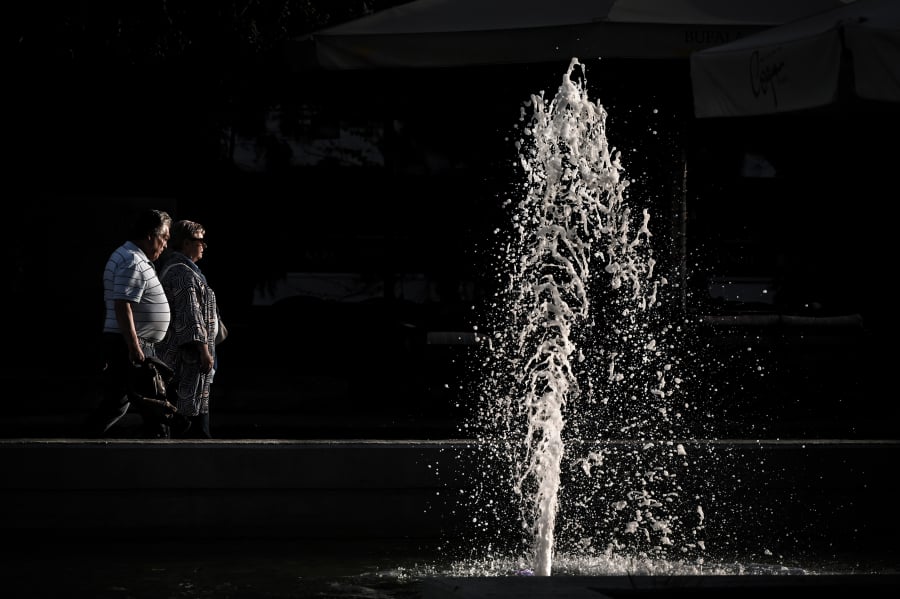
point(575, 409)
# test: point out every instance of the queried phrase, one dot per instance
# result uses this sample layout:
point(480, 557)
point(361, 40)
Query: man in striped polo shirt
point(137, 317)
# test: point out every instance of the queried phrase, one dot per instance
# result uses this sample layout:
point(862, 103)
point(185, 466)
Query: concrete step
point(783, 495)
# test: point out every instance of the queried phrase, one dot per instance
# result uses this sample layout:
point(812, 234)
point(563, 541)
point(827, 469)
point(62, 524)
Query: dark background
point(114, 108)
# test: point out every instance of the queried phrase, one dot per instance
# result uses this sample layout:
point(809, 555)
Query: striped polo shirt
point(130, 275)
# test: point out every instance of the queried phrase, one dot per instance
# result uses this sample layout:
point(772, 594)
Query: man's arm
point(125, 319)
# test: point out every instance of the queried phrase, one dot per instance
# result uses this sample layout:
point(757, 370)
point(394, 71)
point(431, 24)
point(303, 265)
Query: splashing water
point(578, 391)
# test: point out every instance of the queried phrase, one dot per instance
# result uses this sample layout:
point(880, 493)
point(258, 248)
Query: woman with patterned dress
point(189, 346)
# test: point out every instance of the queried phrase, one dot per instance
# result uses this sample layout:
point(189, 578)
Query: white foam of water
point(576, 352)
point(608, 564)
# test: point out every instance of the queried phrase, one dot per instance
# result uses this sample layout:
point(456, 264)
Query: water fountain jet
point(574, 333)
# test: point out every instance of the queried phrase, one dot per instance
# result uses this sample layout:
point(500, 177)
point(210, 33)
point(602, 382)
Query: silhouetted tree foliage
point(217, 66)
point(146, 98)
point(155, 31)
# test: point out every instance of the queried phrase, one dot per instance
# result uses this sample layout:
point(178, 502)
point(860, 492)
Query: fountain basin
point(781, 496)
point(283, 516)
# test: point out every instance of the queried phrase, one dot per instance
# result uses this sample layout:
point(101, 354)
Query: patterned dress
point(194, 319)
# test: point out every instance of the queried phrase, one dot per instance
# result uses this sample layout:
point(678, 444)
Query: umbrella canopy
point(800, 64)
point(443, 33)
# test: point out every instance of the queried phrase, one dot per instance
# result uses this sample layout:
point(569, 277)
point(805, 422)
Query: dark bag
point(222, 332)
point(150, 379)
point(147, 387)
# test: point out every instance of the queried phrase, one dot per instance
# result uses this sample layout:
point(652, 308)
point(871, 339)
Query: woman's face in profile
point(195, 245)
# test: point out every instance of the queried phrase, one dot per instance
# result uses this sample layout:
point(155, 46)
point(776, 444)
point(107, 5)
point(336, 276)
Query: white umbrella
point(441, 33)
point(800, 64)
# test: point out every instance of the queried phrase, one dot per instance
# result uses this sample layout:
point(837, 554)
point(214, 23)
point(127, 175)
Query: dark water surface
point(238, 569)
point(384, 569)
